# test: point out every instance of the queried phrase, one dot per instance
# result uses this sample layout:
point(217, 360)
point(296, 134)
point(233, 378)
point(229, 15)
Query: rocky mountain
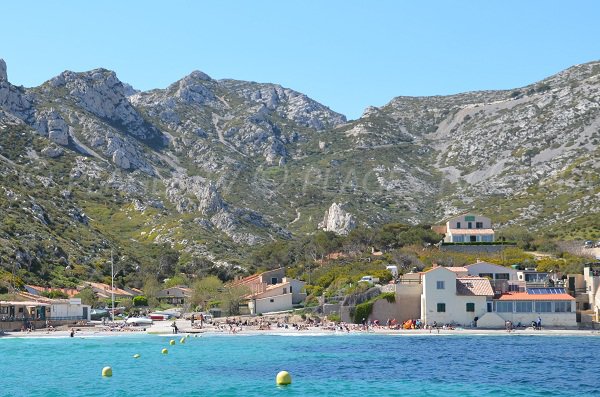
point(212, 168)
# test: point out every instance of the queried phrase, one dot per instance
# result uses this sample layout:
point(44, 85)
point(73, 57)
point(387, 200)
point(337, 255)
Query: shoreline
point(163, 328)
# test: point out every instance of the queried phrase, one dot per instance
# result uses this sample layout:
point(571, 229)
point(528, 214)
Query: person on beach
point(72, 334)
point(174, 327)
point(539, 323)
point(192, 320)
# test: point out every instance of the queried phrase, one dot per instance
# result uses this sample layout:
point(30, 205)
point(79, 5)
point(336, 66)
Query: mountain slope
point(210, 168)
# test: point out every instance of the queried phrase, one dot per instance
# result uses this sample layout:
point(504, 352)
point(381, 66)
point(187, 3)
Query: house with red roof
point(271, 291)
point(451, 297)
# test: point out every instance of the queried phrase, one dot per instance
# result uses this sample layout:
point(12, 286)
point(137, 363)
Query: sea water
point(335, 365)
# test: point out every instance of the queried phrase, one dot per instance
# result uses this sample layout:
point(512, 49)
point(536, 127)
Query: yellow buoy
point(172, 342)
point(283, 378)
point(164, 351)
point(136, 356)
point(107, 372)
point(182, 340)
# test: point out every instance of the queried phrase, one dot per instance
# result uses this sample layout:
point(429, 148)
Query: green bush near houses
point(364, 310)
point(140, 301)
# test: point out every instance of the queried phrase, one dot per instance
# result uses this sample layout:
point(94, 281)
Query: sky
point(346, 54)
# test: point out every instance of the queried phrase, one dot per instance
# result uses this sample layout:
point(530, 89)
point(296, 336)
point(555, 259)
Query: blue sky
point(346, 54)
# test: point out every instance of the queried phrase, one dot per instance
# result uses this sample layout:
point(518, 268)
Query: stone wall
point(475, 249)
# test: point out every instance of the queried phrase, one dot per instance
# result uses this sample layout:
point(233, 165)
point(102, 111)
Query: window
point(470, 307)
point(285, 290)
point(440, 285)
point(470, 225)
point(271, 300)
point(4, 310)
point(489, 307)
point(273, 280)
point(290, 289)
point(543, 307)
point(562, 307)
point(504, 307)
point(458, 225)
point(487, 275)
point(524, 307)
point(478, 225)
point(470, 218)
point(441, 307)
point(502, 276)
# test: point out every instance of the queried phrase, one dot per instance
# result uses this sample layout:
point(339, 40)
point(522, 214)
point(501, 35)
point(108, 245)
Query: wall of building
point(465, 219)
point(486, 268)
point(271, 304)
point(66, 310)
point(268, 276)
point(296, 286)
point(562, 320)
point(406, 307)
point(455, 305)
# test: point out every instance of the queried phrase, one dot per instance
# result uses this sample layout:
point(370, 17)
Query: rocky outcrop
point(3, 74)
point(51, 124)
point(337, 220)
point(52, 151)
point(102, 94)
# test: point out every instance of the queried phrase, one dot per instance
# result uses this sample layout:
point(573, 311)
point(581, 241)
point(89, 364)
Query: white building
point(553, 306)
point(69, 309)
point(271, 291)
point(449, 298)
point(468, 228)
point(277, 297)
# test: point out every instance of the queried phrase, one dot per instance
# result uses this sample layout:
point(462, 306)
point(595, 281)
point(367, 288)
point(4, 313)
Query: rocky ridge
point(207, 166)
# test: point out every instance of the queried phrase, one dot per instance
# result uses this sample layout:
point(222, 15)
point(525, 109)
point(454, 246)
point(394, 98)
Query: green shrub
point(363, 310)
point(140, 301)
point(336, 318)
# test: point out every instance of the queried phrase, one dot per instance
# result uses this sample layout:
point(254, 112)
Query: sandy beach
point(185, 328)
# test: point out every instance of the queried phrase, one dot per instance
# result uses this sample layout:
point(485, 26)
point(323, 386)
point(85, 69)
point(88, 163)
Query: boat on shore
point(139, 321)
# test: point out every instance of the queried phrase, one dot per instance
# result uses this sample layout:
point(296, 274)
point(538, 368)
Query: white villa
point(489, 296)
point(449, 297)
point(271, 291)
point(467, 228)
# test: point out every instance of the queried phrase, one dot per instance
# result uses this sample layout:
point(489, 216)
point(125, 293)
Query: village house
point(271, 291)
point(451, 297)
point(467, 228)
point(33, 310)
point(491, 295)
point(177, 296)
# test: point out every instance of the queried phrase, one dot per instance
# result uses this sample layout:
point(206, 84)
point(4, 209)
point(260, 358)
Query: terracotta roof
point(474, 286)
point(245, 280)
point(70, 292)
point(471, 231)
point(105, 288)
point(524, 296)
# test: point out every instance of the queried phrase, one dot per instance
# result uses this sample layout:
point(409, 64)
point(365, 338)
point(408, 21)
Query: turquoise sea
point(336, 365)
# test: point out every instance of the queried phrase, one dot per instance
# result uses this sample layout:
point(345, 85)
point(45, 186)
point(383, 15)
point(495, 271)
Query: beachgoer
point(72, 332)
point(539, 322)
point(192, 320)
point(174, 327)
